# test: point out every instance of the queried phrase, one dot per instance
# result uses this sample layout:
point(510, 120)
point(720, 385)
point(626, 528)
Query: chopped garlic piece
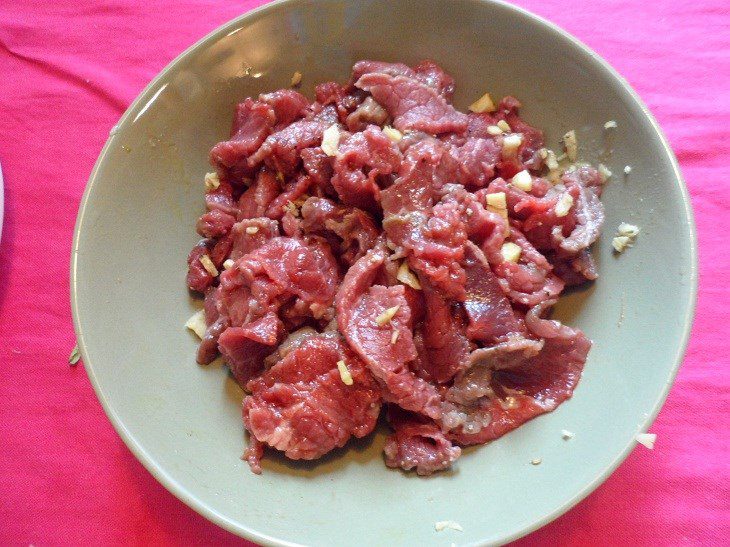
point(504, 126)
point(498, 200)
point(562, 207)
point(604, 172)
point(392, 133)
point(567, 435)
point(208, 265)
point(626, 235)
point(385, 317)
point(571, 145)
point(536, 461)
point(626, 229)
point(610, 124)
point(551, 161)
point(228, 264)
point(522, 180)
point(291, 208)
point(620, 243)
point(296, 79)
point(494, 130)
point(252, 229)
point(511, 252)
point(331, 140)
point(197, 324)
point(394, 336)
point(345, 375)
point(510, 145)
point(483, 104)
point(212, 181)
point(627, 170)
point(407, 277)
point(647, 439)
point(444, 524)
point(543, 152)
point(280, 177)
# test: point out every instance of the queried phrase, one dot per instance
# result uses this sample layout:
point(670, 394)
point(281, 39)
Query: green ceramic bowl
point(136, 226)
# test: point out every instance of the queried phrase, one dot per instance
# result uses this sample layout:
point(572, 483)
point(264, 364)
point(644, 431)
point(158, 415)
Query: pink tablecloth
point(68, 69)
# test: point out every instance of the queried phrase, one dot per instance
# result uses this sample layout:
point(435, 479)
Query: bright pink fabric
point(68, 69)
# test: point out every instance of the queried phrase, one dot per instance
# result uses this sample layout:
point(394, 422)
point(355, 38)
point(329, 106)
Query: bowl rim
point(179, 491)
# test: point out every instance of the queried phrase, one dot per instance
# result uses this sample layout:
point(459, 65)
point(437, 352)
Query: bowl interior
point(136, 226)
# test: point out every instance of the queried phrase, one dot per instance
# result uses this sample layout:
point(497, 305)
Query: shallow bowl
point(136, 226)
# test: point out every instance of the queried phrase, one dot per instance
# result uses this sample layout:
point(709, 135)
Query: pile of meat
point(377, 249)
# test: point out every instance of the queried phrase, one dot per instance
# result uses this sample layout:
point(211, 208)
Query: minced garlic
point(567, 435)
point(345, 375)
point(626, 229)
point(494, 130)
point(497, 200)
point(252, 229)
point(483, 104)
point(212, 181)
point(331, 140)
point(647, 439)
point(392, 133)
point(604, 172)
point(394, 336)
point(504, 126)
point(571, 145)
point(197, 323)
point(511, 252)
point(296, 79)
point(627, 170)
point(228, 264)
point(510, 145)
point(610, 124)
point(562, 207)
point(522, 180)
point(626, 235)
point(407, 277)
point(208, 265)
point(385, 317)
point(444, 524)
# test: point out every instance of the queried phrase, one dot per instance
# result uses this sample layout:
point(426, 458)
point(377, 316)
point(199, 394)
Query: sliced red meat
point(490, 314)
point(413, 104)
point(318, 166)
point(575, 270)
point(355, 230)
point(358, 305)
point(588, 209)
point(250, 234)
point(215, 223)
point(367, 113)
point(280, 150)
point(433, 76)
point(476, 160)
point(283, 268)
point(252, 123)
point(366, 67)
point(289, 105)
point(520, 392)
point(417, 443)
point(475, 381)
point(441, 341)
point(291, 192)
point(361, 159)
point(221, 199)
point(255, 201)
point(245, 348)
point(431, 236)
point(530, 281)
point(302, 407)
point(198, 278)
point(216, 324)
